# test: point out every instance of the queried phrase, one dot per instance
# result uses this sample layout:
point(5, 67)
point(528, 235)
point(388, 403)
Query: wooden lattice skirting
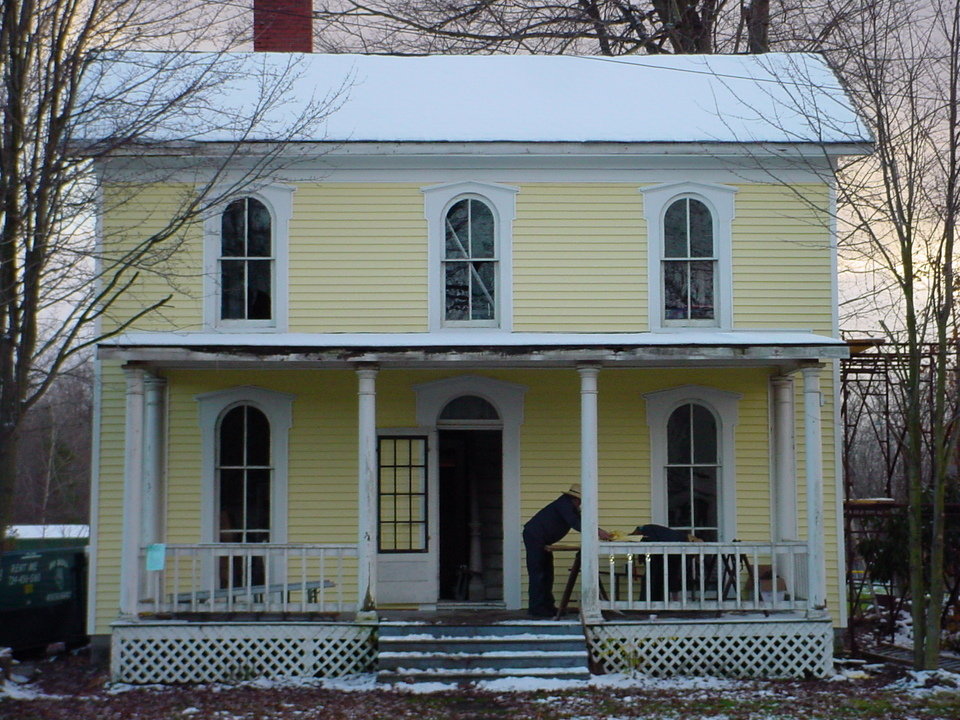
point(173, 652)
point(770, 648)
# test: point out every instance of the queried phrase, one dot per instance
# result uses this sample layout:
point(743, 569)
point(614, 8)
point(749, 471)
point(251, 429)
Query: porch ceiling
point(477, 349)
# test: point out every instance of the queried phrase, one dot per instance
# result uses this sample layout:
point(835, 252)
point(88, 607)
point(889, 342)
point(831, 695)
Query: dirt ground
point(70, 688)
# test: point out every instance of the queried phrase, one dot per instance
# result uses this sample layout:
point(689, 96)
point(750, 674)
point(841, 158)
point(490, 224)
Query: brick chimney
point(283, 25)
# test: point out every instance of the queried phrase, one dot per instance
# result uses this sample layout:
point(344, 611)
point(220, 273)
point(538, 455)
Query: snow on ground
point(367, 682)
point(923, 683)
point(915, 684)
point(17, 691)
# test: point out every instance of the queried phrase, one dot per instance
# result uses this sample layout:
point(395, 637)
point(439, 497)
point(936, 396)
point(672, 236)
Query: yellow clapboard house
point(482, 281)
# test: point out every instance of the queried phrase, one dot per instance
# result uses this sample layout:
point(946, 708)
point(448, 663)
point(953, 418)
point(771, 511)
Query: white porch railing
point(651, 576)
point(248, 577)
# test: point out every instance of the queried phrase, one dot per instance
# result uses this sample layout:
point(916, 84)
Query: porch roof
point(477, 347)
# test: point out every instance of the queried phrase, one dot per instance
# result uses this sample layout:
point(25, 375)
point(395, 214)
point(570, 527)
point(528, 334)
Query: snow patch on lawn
point(613, 681)
point(923, 683)
point(15, 691)
point(368, 682)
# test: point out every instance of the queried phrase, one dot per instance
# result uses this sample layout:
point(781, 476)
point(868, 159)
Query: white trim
point(783, 458)
point(437, 200)
point(367, 499)
point(132, 490)
point(720, 200)
point(278, 199)
point(278, 407)
point(775, 340)
point(834, 257)
point(531, 167)
point(725, 407)
point(589, 486)
point(94, 543)
point(813, 463)
point(94, 546)
point(153, 460)
point(507, 398)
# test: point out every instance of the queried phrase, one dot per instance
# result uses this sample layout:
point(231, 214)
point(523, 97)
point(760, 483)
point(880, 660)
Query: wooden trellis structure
point(875, 511)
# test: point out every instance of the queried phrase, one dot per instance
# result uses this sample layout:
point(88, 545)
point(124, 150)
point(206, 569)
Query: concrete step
point(480, 644)
point(519, 627)
point(393, 661)
point(418, 652)
point(463, 676)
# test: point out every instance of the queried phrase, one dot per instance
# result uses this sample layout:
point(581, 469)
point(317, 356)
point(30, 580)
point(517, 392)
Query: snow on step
point(413, 651)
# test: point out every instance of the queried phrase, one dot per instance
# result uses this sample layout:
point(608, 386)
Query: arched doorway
point(470, 562)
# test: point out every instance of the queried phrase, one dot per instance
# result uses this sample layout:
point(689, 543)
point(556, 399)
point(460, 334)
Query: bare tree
point(53, 473)
point(602, 27)
point(901, 61)
point(72, 93)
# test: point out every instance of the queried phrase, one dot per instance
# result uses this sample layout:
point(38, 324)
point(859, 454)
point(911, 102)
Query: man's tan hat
point(574, 491)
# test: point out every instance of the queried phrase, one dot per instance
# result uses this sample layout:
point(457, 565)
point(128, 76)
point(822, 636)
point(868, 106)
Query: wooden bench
point(311, 587)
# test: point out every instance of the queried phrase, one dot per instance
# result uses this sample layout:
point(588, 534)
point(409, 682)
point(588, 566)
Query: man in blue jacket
point(545, 528)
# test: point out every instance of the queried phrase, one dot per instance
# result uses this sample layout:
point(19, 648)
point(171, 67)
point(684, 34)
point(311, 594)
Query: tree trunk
point(756, 17)
point(8, 472)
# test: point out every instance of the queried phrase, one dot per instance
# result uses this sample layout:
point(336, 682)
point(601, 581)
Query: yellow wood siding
point(133, 214)
point(782, 262)
point(109, 497)
point(323, 451)
point(358, 258)
point(579, 258)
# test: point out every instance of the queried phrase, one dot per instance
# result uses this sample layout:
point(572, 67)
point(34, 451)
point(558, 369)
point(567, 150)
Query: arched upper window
point(244, 474)
point(692, 471)
point(689, 262)
point(246, 261)
point(470, 263)
point(690, 268)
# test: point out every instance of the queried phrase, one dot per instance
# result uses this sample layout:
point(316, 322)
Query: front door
point(470, 515)
point(406, 555)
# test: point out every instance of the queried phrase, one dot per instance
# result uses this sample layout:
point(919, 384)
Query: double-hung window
point(692, 471)
point(470, 251)
point(470, 264)
point(693, 460)
point(689, 241)
point(246, 261)
point(689, 263)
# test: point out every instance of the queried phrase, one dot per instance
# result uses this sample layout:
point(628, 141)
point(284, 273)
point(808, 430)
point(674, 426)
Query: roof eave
point(485, 148)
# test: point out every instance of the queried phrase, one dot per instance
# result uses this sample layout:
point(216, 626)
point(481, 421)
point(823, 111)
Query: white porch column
point(367, 489)
point(150, 531)
point(589, 509)
point(132, 492)
point(784, 460)
point(813, 458)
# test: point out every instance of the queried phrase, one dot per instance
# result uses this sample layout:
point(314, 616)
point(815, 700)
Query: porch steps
point(417, 652)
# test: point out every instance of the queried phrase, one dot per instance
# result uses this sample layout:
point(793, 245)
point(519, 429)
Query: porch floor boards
point(468, 616)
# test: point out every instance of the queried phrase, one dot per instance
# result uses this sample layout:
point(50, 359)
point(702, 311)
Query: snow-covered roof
point(776, 98)
point(39, 532)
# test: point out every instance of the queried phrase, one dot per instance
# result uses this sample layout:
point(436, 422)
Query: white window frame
point(720, 201)
point(278, 200)
point(725, 408)
point(438, 199)
point(278, 408)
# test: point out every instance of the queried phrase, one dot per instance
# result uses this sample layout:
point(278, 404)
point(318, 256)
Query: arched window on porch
point(244, 473)
point(693, 460)
point(692, 471)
